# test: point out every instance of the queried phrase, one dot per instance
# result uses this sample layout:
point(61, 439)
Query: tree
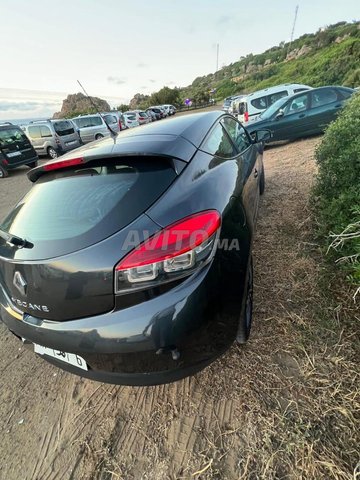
point(123, 107)
point(166, 95)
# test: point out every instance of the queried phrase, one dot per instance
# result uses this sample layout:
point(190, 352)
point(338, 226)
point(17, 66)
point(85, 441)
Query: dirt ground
point(285, 406)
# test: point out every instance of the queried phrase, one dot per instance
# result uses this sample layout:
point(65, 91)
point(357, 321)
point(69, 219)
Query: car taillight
point(175, 252)
point(246, 116)
point(57, 139)
point(141, 118)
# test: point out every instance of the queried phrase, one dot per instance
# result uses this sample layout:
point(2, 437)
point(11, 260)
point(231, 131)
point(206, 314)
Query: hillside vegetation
point(337, 190)
point(329, 56)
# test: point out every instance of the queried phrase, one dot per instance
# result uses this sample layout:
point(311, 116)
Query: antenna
point(217, 57)
point(112, 133)
point(293, 27)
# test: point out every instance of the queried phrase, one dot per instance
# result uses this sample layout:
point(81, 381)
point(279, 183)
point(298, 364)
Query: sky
point(120, 47)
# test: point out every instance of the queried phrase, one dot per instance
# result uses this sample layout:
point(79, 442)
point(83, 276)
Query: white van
point(249, 107)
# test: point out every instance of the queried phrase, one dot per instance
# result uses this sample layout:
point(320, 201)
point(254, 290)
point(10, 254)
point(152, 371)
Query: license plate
point(70, 358)
point(71, 143)
point(13, 154)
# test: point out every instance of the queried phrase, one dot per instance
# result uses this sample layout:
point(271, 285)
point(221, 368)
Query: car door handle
point(256, 173)
point(302, 115)
point(337, 106)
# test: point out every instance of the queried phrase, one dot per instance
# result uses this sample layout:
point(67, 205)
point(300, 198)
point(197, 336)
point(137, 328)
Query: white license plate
point(13, 154)
point(71, 143)
point(70, 358)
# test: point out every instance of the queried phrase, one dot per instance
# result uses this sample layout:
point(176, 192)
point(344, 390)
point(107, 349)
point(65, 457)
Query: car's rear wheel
point(98, 136)
point(246, 315)
point(32, 164)
point(262, 181)
point(3, 172)
point(52, 152)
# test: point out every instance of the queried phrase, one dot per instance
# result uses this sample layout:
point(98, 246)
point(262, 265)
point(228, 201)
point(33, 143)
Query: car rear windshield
point(70, 209)
point(63, 128)
point(11, 136)
point(109, 119)
point(130, 116)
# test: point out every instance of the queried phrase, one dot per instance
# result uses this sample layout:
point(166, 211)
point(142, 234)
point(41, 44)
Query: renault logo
point(20, 283)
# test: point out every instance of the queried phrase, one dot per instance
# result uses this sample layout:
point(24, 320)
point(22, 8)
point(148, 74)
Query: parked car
point(249, 107)
point(131, 120)
point(52, 137)
point(234, 105)
point(15, 149)
point(123, 278)
point(303, 114)
point(150, 113)
point(227, 103)
point(121, 120)
point(157, 112)
point(142, 117)
point(92, 127)
point(112, 119)
point(162, 110)
point(170, 109)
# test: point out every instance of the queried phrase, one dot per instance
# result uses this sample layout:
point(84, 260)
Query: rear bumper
point(10, 166)
point(139, 345)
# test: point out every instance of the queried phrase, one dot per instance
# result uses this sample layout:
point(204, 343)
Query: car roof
point(4, 125)
point(275, 88)
point(178, 138)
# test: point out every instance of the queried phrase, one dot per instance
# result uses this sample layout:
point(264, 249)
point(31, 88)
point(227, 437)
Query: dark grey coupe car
point(129, 261)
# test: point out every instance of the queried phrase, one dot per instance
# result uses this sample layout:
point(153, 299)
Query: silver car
point(92, 127)
point(52, 137)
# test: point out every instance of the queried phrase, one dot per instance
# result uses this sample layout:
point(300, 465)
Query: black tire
point(52, 152)
point(98, 136)
point(262, 181)
point(3, 172)
point(32, 164)
point(247, 310)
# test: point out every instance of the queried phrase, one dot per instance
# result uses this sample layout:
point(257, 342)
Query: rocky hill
point(78, 103)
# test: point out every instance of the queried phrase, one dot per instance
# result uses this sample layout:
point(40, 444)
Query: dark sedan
point(303, 114)
point(129, 261)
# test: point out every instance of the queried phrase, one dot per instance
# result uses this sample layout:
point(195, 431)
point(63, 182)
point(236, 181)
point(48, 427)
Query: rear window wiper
point(15, 240)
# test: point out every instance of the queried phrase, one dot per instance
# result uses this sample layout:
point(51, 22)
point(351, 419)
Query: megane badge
point(20, 283)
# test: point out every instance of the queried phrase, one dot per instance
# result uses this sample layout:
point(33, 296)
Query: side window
point(298, 104)
point(34, 132)
point(45, 131)
point(275, 96)
point(345, 92)
point(96, 121)
point(259, 103)
point(323, 97)
point(298, 90)
point(218, 143)
point(237, 133)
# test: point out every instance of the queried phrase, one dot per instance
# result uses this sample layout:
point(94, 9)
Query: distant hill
point(329, 56)
point(78, 103)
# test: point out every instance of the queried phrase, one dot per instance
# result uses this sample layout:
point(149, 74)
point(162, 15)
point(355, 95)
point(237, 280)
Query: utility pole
point(293, 28)
point(217, 57)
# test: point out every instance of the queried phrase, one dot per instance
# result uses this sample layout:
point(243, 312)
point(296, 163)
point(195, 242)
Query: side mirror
point(279, 115)
point(261, 135)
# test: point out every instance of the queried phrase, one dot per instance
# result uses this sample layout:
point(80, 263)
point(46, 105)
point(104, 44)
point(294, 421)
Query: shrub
point(337, 188)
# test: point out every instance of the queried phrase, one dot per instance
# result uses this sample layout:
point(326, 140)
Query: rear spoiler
point(78, 161)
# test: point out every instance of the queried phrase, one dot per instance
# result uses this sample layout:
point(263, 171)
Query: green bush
point(337, 189)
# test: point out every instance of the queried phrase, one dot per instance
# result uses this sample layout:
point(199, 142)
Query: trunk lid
point(81, 222)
